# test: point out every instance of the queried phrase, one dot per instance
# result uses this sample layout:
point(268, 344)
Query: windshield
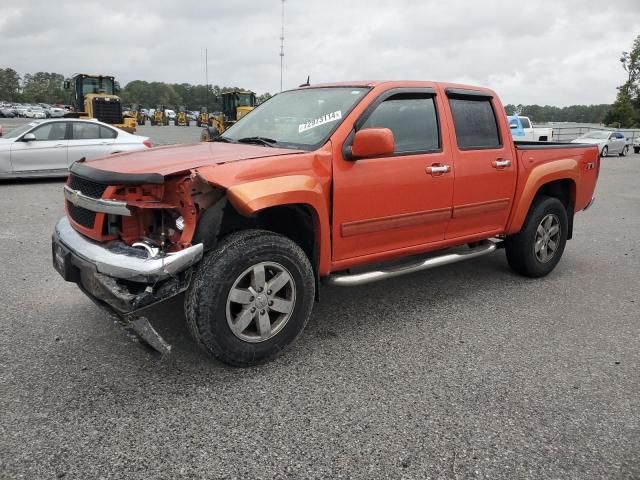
point(597, 134)
point(97, 85)
point(16, 132)
point(298, 118)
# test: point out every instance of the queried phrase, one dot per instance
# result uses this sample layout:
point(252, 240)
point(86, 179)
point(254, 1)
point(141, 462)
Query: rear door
point(388, 203)
point(90, 141)
point(484, 164)
point(48, 152)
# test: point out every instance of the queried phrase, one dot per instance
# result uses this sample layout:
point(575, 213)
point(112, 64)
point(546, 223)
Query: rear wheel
point(605, 151)
point(250, 297)
point(537, 248)
point(624, 151)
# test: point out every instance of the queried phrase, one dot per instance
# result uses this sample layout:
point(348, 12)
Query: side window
point(475, 123)
point(413, 121)
point(106, 132)
point(50, 131)
point(525, 122)
point(85, 131)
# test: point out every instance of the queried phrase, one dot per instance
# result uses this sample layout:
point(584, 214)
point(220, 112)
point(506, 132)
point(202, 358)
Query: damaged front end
point(126, 241)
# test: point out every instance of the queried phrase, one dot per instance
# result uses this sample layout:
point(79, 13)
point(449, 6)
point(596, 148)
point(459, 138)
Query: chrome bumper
point(121, 261)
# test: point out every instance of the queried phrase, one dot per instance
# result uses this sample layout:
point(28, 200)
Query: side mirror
point(29, 137)
point(373, 142)
point(513, 126)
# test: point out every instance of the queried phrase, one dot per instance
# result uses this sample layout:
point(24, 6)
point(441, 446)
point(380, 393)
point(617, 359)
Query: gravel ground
point(467, 371)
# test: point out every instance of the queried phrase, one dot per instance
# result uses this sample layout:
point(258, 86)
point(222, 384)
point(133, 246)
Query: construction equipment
point(235, 105)
point(95, 96)
point(159, 117)
point(203, 117)
point(182, 119)
point(138, 114)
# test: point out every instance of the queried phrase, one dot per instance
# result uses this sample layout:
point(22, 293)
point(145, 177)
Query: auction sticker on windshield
point(329, 117)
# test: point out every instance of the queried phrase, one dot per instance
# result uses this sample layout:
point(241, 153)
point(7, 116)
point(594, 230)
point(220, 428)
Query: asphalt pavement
point(466, 371)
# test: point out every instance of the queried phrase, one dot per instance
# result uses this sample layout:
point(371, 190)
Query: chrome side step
point(352, 280)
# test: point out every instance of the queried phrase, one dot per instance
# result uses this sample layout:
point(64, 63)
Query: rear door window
point(85, 131)
point(475, 123)
point(106, 132)
point(412, 119)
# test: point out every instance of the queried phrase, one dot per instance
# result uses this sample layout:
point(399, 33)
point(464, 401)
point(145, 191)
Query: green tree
point(43, 87)
point(625, 112)
point(9, 85)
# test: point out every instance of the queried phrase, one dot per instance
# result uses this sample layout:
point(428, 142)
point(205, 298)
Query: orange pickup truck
point(346, 183)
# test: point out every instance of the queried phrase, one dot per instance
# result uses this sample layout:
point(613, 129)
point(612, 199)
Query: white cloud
point(546, 52)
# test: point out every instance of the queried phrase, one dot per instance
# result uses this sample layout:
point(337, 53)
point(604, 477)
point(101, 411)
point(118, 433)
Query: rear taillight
point(147, 143)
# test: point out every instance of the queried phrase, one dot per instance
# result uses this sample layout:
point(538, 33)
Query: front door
point(389, 203)
point(484, 164)
point(48, 152)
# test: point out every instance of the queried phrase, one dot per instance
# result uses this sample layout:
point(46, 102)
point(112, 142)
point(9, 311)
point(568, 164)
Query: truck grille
point(92, 189)
point(107, 111)
point(80, 215)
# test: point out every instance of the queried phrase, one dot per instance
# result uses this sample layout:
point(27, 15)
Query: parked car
point(35, 112)
point(6, 112)
point(369, 172)
point(170, 114)
point(55, 112)
point(46, 148)
point(607, 142)
point(522, 129)
point(636, 145)
point(21, 110)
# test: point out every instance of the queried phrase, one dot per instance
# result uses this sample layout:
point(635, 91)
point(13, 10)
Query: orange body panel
point(374, 209)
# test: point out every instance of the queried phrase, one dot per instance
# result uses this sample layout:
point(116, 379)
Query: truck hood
point(179, 158)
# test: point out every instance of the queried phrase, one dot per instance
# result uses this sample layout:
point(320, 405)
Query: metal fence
point(565, 132)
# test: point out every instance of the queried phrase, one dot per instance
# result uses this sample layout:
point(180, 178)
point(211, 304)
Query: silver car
point(47, 148)
point(608, 142)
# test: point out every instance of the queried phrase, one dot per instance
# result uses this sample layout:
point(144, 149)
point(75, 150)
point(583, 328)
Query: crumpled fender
point(565, 169)
point(250, 197)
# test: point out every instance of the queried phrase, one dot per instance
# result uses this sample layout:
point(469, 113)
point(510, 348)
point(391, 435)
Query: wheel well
point(565, 191)
point(294, 221)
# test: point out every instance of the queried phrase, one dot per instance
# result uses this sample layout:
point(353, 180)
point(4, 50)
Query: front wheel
point(624, 151)
point(537, 248)
point(605, 152)
point(250, 297)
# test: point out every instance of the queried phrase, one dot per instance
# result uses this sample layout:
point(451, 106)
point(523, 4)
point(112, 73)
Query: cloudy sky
point(557, 52)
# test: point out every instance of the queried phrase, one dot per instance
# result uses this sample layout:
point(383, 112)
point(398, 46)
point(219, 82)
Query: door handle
point(501, 163)
point(437, 169)
point(60, 145)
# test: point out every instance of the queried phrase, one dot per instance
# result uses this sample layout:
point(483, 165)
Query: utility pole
point(206, 75)
point(282, 45)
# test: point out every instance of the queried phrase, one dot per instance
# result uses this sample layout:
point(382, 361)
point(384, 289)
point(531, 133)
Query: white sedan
point(47, 148)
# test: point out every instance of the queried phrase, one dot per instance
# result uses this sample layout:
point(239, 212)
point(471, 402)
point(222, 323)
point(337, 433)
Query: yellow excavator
point(203, 117)
point(235, 105)
point(159, 117)
point(182, 119)
point(95, 96)
point(138, 114)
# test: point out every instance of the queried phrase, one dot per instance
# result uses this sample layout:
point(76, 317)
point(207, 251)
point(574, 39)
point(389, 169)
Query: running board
point(352, 280)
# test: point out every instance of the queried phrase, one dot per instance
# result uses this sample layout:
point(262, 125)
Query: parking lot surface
point(467, 371)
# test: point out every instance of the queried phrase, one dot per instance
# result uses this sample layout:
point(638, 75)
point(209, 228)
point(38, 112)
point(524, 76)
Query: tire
point(211, 312)
point(624, 151)
point(605, 151)
point(525, 254)
point(636, 149)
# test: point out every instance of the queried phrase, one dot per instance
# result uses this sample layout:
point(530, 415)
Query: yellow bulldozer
point(203, 117)
point(159, 116)
point(235, 105)
point(95, 96)
point(182, 119)
point(138, 114)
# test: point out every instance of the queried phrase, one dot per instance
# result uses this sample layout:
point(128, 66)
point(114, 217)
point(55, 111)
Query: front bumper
point(121, 278)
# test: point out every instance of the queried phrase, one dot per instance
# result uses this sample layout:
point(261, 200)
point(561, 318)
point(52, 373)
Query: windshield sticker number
point(329, 117)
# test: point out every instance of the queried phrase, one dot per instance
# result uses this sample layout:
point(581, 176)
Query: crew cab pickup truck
point(344, 183)
point(523, 129)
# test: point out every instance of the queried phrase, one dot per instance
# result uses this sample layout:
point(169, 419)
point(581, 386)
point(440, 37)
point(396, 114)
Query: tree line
point(625, 111)
point(47, 87)
point(573, 113)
